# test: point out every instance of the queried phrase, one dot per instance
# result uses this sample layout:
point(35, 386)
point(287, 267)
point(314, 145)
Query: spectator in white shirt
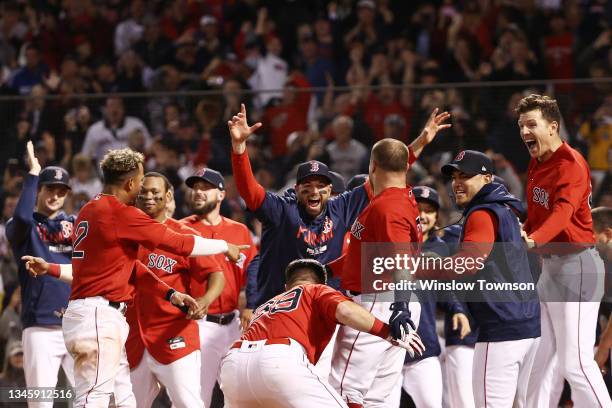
point(345, 153)
point(85, 179)
point(112, 132)
point(129, 31)
point(270, 73)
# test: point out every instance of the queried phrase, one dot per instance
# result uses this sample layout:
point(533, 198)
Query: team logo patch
point(314, 166)
point(540, 196)
point(357, 229)
point(425, 193)
point(58, 174)
point(460, 156)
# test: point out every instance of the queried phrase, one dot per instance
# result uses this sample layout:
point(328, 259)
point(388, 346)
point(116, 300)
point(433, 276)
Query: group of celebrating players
point(128, 299)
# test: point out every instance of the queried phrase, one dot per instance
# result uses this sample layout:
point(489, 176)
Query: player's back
point(105, 244)
point(305, 313)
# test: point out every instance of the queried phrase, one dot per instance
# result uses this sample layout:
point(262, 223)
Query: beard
point(204, 209)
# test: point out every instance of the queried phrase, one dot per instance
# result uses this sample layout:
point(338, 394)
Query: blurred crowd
point(326, 79)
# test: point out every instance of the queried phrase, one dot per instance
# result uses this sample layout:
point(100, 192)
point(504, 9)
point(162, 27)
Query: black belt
point(120, 306)
point(222, 319)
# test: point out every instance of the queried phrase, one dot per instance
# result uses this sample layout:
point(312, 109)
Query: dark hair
point(391, 155)
point(309, 264)
point(119, 165)
point(602, 218)
point(545, 104)
point(167, 184)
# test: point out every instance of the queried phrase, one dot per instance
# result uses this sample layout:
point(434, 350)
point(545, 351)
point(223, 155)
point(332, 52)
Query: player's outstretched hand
point(239, 128)
point(400, 322)
point(411, 342)
point(202, 309)
point(233, 252)
point(460, 321)
point(601, 357)
point(32, 160)
point(434, 124)
point(245, 318)
point(35, 266)
point(184, 300)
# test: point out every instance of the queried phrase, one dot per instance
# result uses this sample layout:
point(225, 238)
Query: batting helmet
point(317, 267)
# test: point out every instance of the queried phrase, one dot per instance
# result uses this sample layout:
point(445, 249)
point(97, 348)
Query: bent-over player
point(273, 363)
point(106, 239)
point(559, 212)
point(40, 227)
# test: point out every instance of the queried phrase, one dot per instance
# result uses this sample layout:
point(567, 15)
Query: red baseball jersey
point(106, 238)
point(235, 273)
point(154, 322)
point(305, 313)
point(391, 216)
point(559, 198)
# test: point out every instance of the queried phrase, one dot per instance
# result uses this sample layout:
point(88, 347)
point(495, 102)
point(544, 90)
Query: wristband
point(379, 329)
point(169, 294)
point(54, 270)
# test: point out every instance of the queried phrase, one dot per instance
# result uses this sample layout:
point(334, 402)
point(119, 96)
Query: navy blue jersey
point(290, 233)
point(31, 233)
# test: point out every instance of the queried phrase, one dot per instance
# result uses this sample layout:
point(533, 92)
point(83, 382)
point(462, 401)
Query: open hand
point(32, 160)
point(239, 128)
point(460, 321)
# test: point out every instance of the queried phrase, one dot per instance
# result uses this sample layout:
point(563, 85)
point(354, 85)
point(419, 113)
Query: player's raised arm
point(434, 124)
point(248, 187)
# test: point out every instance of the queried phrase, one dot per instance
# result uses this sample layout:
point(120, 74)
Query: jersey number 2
point(81, 233)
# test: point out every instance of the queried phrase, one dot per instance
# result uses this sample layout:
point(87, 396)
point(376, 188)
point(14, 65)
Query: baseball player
point(163, 347)
point(306, 223)
point(221, 326)
point(458, 355)
point(105, 240)
point(40, 227)
point(602, 226)
point(509, 324)
point(272, 364)
point(391, 216)
point(422, 375)
point(571, 283)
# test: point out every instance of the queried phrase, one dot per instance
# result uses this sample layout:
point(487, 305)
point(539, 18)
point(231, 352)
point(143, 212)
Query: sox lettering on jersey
point(540, 196)
point(161, 262)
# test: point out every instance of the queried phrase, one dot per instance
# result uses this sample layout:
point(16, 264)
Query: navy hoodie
point(518, 315)
point(31, 233)
point(289, 233)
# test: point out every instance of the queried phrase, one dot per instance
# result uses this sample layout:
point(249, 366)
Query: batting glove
point(400, 323)
point(411, 342)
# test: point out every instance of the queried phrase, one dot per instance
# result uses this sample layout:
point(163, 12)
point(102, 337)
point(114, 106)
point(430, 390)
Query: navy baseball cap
point(54, 175)
point(209, 175)
point(470, 162)
point(356, 181)
point(425, 193)
point(312, 168)
point(338, 186)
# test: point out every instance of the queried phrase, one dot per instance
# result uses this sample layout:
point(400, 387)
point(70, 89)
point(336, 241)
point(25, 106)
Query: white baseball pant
point(557, 384)
point(501, 372)
point(323, 366)
point(44, 352)
point(257, 375)
point(458, 364)
point(95, 335)
point(181, 379)
point(365, 368)
point(568, 330)
point(215, 341)
point(422, 380)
